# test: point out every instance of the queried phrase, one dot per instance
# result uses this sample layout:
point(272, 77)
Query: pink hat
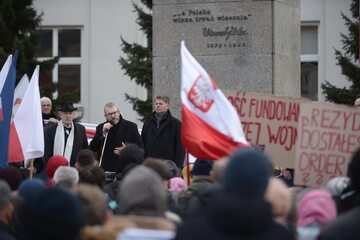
point(316, 206)
point(177, 184)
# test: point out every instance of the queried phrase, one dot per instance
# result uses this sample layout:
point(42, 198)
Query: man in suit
point(111, 136)
point(65, 138)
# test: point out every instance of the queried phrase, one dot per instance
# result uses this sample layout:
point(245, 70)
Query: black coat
point(163, 142)
point(6, 233)
point(345, 227)
point(124, 132)
point(233, 217)
point(80, 142)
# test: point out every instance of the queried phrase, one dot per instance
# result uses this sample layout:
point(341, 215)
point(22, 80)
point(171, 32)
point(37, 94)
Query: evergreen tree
point(347, 61)
point(138, 61)
point(19, 22)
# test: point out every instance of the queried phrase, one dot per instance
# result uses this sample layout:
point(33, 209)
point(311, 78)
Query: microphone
point(106, 131)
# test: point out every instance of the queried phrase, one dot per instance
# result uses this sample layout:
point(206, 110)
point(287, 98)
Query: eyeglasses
point(112, 113)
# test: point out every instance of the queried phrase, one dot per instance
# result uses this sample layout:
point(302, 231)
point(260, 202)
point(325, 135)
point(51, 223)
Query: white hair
point(66, 177)
point(45, 99)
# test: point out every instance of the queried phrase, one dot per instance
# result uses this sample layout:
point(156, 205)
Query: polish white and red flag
point(19, 92)
point(26, 130)
point(211, 128)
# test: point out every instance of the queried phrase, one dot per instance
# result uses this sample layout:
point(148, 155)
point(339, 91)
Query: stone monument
point(246, 45)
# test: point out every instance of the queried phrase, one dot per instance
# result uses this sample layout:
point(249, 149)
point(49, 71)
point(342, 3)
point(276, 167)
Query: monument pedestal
point(244, 45)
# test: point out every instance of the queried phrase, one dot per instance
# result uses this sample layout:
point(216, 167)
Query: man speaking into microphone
point(111, 135)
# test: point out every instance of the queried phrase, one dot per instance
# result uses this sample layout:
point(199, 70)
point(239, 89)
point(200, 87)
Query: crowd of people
point(126, 185)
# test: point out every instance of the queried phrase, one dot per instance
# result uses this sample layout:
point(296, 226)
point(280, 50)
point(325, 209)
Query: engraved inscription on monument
point(214, 28)
point(227, 36)
point(248, 45)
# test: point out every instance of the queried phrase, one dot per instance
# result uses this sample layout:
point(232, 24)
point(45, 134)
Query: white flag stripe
point(20, 92)
point(4, 72)
point(221, 115)
point(28, 120)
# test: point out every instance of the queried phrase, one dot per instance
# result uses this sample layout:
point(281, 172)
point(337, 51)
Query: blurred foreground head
point(247, 173)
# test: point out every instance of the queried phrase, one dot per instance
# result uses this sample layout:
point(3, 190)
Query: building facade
point(85, 34)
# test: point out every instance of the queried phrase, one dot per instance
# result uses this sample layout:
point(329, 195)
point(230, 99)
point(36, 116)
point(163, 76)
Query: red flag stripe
point(15, 148)
point(206, 143)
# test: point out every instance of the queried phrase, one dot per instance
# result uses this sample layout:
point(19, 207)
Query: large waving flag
point(20, 92)
point(27, 133)
point(3, 73)
point(211, 128)
point(6, 98)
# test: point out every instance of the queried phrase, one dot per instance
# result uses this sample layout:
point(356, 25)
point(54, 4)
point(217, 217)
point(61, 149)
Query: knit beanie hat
point(337, 185)
point(316, 206)
point(30, 188)
point(177, 184)
point(55, 162)
point(201, 167)
point(172, 169)
point(12, 176)
point(247, 173)
point(142, 192)
point(53, 214)
point(132, 153)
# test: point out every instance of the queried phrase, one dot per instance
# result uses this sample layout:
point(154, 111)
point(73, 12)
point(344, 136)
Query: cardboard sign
point(328, 135)
point(269, 122)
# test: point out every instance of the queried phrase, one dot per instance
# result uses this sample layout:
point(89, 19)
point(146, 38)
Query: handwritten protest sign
point(269, 121)
point(328, 135)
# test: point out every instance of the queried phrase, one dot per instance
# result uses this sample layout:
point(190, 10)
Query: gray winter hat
point(142, 192)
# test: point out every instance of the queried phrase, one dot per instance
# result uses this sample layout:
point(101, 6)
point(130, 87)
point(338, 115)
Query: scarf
point(59, 141)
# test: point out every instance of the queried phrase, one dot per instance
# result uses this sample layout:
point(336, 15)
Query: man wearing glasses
point(111, 136)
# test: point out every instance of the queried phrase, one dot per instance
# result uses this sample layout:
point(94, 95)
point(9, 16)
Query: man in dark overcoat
point(65, 138)
point(111, 136)
point(161, 134)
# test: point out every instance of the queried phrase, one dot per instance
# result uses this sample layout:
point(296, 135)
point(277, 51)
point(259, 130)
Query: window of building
point(309, 61)
point(66, 44)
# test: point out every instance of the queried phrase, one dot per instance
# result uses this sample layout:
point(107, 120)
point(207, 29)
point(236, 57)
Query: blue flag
point(7, 99)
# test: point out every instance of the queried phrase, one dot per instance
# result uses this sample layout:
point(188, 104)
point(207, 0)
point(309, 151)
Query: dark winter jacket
point(345, 227)
point(6, 233)
point(234, 217)
point(163, 142)
point(124, 132)
point(80, 142)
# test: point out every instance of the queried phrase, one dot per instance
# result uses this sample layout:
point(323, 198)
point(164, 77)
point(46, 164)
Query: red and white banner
point(26, 131)
point(211, 127)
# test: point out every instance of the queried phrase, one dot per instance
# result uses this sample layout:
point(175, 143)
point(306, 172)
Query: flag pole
point(31, 168)
point(187, 168)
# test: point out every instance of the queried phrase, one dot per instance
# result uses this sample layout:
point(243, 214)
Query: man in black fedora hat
point(65, 138)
